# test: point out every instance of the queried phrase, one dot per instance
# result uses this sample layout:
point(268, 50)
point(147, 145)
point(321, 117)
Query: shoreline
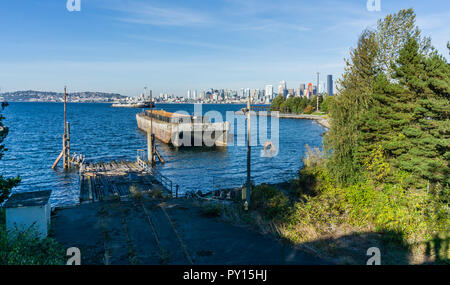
point(324, 121)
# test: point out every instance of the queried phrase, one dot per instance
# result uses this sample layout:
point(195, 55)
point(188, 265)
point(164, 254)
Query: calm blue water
point(104, 133)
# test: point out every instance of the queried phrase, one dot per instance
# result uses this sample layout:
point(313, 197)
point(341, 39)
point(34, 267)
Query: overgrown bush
point(25, 248)
point(211, 210)
point(269, 201)
point(409, 218)
point(313, 157)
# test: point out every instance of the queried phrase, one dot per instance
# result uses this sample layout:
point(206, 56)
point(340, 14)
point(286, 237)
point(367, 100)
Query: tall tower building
point(269, 92)
point(302, 89)
point(330, 85)
point(282, 88)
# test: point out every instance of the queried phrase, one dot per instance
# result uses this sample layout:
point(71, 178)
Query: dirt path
point(173, 232)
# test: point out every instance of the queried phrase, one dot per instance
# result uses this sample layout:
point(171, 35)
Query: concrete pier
point(184, 130)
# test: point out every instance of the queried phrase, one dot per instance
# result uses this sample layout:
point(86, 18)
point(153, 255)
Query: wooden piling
point(66, 147)
point(65, 153)
point(248, 150)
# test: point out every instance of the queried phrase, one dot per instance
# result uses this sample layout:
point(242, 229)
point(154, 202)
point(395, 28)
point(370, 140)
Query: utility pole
point(248, 153)
point(317, 93)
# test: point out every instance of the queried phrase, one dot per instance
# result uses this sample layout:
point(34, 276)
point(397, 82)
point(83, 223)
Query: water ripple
point(103, 133)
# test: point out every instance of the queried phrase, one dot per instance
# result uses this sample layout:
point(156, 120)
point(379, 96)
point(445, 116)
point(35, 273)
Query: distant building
point(247, 92)
point(282, 89)
point(302, 89)
point(269, 92)
point(330, 85)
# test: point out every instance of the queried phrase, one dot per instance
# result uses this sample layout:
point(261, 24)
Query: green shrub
point(211, 210)
point(25, 248)
point(410, 218)
point(271, 202)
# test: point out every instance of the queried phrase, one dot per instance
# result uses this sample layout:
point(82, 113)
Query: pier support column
point(149, 147)
point(248, 152)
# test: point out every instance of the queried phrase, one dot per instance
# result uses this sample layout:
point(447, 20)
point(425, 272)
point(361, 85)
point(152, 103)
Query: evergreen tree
point(428, 78)
point(356, 87)
point(408, 120)
point(377, 96)
point(381, 126)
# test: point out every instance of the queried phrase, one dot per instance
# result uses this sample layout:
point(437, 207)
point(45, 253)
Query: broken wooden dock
point(109, 180)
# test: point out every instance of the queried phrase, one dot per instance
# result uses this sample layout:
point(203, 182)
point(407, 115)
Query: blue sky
point(171, 46)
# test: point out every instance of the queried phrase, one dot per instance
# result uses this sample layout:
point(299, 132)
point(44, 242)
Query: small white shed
point(28, 209)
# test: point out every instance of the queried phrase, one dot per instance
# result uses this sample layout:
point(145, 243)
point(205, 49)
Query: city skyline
point(272, 89)
point(172, 46)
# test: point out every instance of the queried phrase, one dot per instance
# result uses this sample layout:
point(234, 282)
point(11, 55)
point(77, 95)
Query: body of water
point(103, 133)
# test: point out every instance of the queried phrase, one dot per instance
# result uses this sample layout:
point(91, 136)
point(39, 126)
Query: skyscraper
point(282, 89)
point(290, 93)
point(302, 89)
point(269, 92)
point(330, 85)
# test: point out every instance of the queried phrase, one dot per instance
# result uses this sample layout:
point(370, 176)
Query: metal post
point(248, 151)
point(176, 191)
